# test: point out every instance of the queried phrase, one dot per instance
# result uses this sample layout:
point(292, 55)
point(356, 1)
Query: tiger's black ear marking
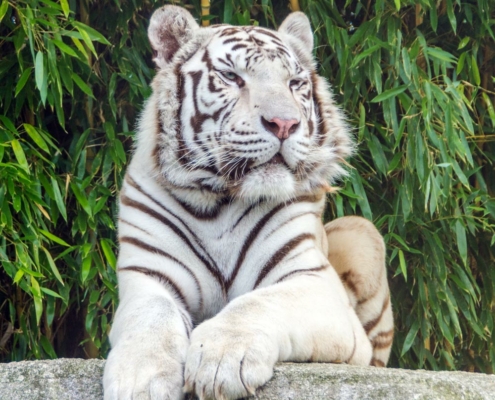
point(170, 28)
point(297, 30)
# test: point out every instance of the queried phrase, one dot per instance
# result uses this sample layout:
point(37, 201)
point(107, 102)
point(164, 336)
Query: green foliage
point(409, 77)
point(66, 96)
point(416, 78)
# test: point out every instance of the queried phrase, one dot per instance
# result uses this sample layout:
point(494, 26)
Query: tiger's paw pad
point(224, 363)
point(129, 375)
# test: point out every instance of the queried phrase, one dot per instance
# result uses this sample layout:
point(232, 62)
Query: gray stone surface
point(81, 379)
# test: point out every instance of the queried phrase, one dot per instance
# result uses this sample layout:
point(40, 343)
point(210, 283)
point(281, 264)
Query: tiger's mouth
point(243, 167)
point(277, 159)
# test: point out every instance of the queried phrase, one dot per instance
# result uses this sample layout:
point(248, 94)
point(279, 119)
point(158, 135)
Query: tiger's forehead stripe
point(250, 36)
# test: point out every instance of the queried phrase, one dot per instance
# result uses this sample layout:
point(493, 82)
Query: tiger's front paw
point(136, 371)
point(226, 362)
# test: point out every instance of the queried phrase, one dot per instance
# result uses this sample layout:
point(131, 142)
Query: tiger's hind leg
point(357, 252)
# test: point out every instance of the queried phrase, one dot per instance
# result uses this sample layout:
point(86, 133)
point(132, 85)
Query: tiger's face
point(251, 111)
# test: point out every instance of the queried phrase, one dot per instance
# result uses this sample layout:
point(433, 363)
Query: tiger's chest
point(244, 239)
point(222, 255)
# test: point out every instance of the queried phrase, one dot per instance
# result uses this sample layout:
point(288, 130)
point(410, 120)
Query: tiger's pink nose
point(281, 128)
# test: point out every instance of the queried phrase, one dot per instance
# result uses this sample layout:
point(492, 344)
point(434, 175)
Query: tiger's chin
point(272, 182)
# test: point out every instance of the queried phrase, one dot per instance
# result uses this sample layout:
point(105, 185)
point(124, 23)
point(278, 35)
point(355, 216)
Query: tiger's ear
point(170, 28)
point(297, 29)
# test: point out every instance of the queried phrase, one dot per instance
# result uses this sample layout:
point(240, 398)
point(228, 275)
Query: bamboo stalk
point(294, 5)
point(419, 15)
point(205, 10)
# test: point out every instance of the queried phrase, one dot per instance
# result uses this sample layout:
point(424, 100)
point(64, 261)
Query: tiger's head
point(241, 110)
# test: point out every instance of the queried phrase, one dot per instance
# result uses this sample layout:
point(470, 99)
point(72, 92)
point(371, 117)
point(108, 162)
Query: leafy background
point(416, 78)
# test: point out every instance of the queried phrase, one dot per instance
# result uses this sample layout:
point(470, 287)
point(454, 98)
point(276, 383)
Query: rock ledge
point(81, 379)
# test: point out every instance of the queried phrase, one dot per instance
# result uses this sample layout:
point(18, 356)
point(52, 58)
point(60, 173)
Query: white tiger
point(225, 267)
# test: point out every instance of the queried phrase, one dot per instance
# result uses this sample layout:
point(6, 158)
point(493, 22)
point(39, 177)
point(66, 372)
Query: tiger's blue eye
point(297, 83)
point(229, 75)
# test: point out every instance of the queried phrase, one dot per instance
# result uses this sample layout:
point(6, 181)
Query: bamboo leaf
point(434, 18)
point(451, 15)
point(93, 34)
point(402, 262)
point(8, 124)
point(389, 93)
point(18, 275)
point(3, 9)
point(463, 43)
point(406, 62)
point(19, 155)
point(489, 107)
point(87, 40)
point(228, 10)
point(58, 198)
point(460, 232)
point(33, 133)
point(51, 292)
point(52, 265)
point(56, 239)
point(365, 54)
point(80, 47)
point(63, 47)
point(38, 304)
point(22, 80)
point(86, 268)
point(81, 198)
point(65, 7)
point(109, 254)
point(460, 63)
point(82, 85)
point(39, 70)
point(411, 335)
point(475, 71)
point(441, 54)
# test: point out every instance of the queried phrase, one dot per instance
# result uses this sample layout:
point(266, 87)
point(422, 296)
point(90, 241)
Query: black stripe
point(383, 340)
point(292, 219)
point(322, 128)
point(231, 30)
point(161, 278)
point(253, 234)
point(208, 214)
point(239, 46)
point(182, 151)
point(280, 254)
point(153, 249)
point(186, 319)
point(152, 213)
point(375, 362)
point(303, 271)
point(234, 39)
point(122, 220)
point(225, 62)
point(246, 212)
point(299, 253)
point(269, 33)
point(368, 327)
point(197, 240)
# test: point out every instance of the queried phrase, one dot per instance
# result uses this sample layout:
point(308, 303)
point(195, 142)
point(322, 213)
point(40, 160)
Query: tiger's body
point(225, 267)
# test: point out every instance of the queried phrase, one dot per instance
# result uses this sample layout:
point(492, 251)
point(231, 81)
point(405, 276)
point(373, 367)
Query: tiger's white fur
point(225, 267)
